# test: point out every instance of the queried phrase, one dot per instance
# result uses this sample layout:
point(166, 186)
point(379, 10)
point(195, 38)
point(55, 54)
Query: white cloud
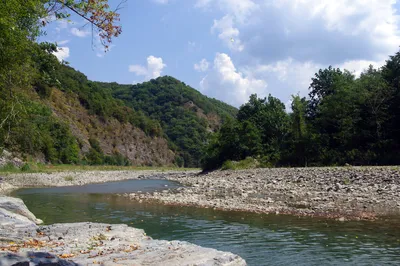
point(62, 42)
point(62, 53)
point(225, 82)
point(80, 32)
point(358, 66)
point(289, 76)
point(153, 69)
point(285, 42)
point(202, 66)
point(61, 24)
point(228, 33)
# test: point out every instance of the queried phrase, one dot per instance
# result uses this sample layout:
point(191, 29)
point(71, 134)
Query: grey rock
point(93, 243)
point(33, 259)
point(104, 244)
point(17, 206)
point(15, 226)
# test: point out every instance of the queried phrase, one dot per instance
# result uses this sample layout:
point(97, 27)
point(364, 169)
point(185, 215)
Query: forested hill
point(50, 112)
point(186, 116)
point(62, 117)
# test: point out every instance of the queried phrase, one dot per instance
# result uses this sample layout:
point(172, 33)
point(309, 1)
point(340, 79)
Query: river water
point(260, 239)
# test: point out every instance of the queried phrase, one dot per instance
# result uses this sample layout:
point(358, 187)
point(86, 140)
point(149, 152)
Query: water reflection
point(260, 239)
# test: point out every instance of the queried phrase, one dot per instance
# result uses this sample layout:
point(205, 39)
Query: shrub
point(247, 163)
point(9, 167)
point(26, 167)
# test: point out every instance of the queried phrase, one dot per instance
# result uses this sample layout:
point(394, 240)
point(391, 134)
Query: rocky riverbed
point(341, 193)
point(23, 242)
point(11, 182)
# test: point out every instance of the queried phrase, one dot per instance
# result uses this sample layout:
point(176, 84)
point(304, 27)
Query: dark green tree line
point(345, 120)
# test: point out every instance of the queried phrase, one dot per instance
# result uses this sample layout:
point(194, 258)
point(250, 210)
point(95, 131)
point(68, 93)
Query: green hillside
point(51, 113)
point(185, 115)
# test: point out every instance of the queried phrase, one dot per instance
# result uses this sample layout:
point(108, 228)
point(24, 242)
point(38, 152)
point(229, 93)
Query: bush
point(26, 167)
point(9, 167)
point(229, 165)
point(247, 163)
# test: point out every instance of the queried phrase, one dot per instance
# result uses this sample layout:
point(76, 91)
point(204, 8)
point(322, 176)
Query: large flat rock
point(23, 242)
point(17, 206)
point(105, 244)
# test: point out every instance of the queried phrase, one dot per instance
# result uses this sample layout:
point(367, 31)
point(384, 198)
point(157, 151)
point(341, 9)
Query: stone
point(93, 243)
point(104, 244)
point(15, 226)
point(17, 206)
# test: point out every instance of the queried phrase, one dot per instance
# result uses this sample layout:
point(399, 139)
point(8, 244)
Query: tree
point(322, 85)
point(299, 131)
point(96, 12)
point(25, 125)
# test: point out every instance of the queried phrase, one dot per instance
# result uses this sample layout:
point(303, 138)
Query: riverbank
point(342, 193)
point(11, 182)
point(332, 192)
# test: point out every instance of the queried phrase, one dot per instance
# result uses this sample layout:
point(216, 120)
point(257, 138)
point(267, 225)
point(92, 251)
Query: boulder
point(15, 226)
point(105, 244)
point(17, 206)
point(25, 243)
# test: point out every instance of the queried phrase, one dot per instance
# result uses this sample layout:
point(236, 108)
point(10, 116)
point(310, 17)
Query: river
point(259, 239)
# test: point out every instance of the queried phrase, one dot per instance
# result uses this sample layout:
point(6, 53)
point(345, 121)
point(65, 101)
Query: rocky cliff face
point(113, 136)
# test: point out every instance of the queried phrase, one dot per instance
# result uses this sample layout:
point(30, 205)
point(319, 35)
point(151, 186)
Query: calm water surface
point(260, 239)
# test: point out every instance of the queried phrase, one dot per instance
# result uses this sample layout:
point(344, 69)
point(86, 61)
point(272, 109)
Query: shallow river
point(260, 239)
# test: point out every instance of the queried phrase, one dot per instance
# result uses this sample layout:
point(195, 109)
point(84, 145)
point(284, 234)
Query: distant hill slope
point(75, 120)
point(79, 122)
point(94, 115)
point(185, 115)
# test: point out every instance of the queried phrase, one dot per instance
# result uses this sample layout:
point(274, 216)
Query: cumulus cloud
point(358, 66)
point(202, 66)
point(62, 53)
point(227, 33)
point(327, 32)
point(285, 42)
point(225, 82)
point(80, 32)
point(152, 70)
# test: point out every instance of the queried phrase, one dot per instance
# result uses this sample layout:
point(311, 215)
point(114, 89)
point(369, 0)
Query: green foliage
point(247, 163)
point(26, 168)
point(96, 156)
point(175, 106)
point(179, 161)
point(346, 120)
point(98, 100)
point(9, 167)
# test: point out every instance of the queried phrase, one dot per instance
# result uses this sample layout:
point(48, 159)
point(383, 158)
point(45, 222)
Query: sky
point(230, 49)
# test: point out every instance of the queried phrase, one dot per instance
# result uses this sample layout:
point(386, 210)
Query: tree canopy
point(345, 120)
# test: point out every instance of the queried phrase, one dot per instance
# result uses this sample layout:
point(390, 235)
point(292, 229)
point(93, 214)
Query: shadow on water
point(260, 239)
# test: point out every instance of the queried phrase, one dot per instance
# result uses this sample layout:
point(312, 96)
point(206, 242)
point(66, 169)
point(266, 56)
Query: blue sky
point(229, 49)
